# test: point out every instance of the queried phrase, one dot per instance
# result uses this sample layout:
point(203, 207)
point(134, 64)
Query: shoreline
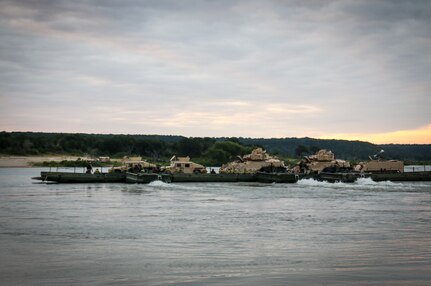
point(27, 161)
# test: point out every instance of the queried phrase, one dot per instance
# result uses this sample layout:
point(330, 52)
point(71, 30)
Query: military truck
point(184, 165)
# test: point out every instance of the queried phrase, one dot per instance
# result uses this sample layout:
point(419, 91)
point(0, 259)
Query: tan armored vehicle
point(378, 165)
point(382, 166)
point(133, 164)
point(252, 163)
point(323, 160)
point(184, 165)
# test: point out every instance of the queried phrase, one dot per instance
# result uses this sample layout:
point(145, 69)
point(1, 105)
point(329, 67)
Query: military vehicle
point(378, 165)
point(134, 165)
point(381, 166)
point(323, 161)
point(258, 160)
point(185, 166)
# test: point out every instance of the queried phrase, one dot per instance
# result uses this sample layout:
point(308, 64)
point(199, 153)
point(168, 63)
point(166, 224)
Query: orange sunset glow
point(415, 136)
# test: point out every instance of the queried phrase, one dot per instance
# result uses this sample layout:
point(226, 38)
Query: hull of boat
point(146, 178)
point(349, 177)
point(263, 177)
point(66, 177)
point(338, 177)
point(212, 178)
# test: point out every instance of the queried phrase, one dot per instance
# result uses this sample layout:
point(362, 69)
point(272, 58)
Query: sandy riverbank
point(26, 161)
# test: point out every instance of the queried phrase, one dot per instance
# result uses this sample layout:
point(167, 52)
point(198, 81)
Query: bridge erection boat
point(69, 177)
point(114, 175)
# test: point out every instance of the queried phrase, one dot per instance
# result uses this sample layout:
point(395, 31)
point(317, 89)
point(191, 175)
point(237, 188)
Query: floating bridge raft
point(400, 177)
point(262, 177)
point(145, 178)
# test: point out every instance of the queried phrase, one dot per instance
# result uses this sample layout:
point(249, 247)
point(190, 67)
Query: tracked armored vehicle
point(377, 164)
point(323, 161)
point(258, 160)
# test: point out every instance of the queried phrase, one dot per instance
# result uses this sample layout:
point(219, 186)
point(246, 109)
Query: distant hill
point(418, 152)
point(158, 146)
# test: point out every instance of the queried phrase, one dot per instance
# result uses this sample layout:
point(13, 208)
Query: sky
point(355, 70)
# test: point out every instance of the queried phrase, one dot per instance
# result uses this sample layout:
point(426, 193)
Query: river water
point(308, 233)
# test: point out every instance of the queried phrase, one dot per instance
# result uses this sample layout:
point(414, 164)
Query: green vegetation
point(222, 152)
point(29, 143)
point(206, 150)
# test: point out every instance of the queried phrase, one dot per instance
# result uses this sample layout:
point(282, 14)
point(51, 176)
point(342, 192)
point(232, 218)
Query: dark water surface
point(308, 233)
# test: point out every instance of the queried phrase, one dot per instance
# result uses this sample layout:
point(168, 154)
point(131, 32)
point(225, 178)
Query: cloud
point(302, 68)
point(213, 118)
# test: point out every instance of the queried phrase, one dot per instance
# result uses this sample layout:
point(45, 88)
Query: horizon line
point(245, 137)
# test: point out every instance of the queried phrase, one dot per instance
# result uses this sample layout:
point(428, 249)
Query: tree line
point(343, 149)
point(209, 151)
point(206, 150)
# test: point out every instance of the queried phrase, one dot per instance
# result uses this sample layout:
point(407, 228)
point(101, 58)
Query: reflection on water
point(309, 233)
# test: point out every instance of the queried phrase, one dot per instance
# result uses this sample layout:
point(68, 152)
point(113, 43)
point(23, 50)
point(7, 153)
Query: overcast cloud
point(216, 68)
